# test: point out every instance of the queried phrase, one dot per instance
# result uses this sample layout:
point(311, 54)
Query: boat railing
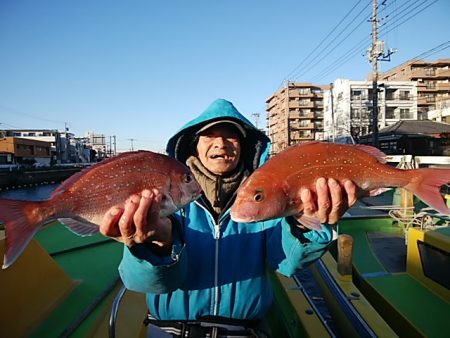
point(411, 162)
point(432, 161)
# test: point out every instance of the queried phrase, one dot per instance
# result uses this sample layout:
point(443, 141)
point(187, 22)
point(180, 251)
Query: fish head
point(182, 189)
point(260, 197)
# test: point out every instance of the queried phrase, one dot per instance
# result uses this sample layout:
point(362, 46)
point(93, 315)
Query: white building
point(98, 143)
point(348, 106)
point(442, 111)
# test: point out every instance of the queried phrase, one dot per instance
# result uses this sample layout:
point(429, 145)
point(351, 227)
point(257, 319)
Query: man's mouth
point(219, 156)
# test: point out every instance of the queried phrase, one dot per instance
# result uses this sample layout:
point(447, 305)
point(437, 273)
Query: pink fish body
point(81, 201)
point(273, 190)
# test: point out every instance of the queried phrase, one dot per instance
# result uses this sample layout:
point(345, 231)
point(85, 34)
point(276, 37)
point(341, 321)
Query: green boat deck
point(409, 307)
point(87, 264)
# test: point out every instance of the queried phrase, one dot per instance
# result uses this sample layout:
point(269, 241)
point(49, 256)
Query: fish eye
point(258, 197)
point(187, 178)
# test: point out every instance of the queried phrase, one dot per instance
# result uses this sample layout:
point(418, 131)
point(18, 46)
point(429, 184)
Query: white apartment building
point(348, 106)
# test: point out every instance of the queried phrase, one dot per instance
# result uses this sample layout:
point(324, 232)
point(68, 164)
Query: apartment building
point(348, 106)
point(433, 82)
point(295, 114)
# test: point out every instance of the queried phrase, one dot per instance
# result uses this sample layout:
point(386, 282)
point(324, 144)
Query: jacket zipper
point(217, 234)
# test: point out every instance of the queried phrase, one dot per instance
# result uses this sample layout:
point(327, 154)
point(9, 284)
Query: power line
point(333, 44)
point(345, 57)
point(323, 41)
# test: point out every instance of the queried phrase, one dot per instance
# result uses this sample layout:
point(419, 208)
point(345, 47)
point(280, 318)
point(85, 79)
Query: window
point(430, 72)
point(305, 123)
point(303, 91)
point(390, 113)
point(356, 94)
point(355, 114)
point(304, 102)
point(305, 134)
point(430, 84)
point(404, 95)
point(405, 114)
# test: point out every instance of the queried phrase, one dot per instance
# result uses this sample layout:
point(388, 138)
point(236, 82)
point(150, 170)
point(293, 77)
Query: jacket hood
point(255, 146)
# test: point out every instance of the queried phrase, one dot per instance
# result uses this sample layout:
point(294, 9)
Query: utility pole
point(332, 113)
point(256, 116)
point(110, 146)
point(115, 150)
point(131, 140)
point(374, 54)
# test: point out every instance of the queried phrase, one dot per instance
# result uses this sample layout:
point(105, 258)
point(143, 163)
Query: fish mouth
point(241, 219)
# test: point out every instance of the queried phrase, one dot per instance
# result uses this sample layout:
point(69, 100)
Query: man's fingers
point(126, 224)
point(337, 199)
point(323, 200)
point(350, 189)
point(309, 207)
point(108, 226)
point(141, 216)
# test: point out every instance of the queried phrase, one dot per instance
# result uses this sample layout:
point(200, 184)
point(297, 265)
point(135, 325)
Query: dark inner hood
point(254, 146)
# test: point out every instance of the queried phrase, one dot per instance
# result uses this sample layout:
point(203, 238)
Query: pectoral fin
point(310, 222)
point(80, 228)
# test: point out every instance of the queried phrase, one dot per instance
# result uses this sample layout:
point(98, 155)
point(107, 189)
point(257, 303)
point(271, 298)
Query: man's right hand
point(139, 222)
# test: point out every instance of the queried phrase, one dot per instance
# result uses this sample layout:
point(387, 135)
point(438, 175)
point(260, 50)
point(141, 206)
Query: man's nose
point(220, 142)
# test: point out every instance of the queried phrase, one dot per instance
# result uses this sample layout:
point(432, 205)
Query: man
point(201, 271)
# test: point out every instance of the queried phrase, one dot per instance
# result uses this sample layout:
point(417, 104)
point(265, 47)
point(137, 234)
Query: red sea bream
point(273, 190)
point(81, 201)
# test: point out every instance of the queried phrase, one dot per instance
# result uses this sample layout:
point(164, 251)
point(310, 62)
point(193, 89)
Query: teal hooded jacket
point(219, 267)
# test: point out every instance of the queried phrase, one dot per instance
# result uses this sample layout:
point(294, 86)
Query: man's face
point(219, 149)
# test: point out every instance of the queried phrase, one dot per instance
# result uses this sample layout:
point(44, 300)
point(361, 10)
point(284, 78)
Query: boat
point(391, 280)
point(64, 285)
point(388, 274)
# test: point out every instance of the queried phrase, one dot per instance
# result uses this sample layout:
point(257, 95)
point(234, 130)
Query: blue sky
point(140, 69)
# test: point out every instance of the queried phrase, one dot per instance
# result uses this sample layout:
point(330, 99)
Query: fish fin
point(22, 221)
point(378, 191)
point(310, 222)
point(427, 188)
point(381, 157)
point(80, 228)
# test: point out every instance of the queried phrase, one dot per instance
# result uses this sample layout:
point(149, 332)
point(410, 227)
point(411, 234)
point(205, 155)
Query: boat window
point(435, 263)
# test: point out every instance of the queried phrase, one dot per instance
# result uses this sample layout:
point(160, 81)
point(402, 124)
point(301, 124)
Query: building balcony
point(422, 73)
point(299, 104)
point(443, 86)
point(442, 72)
point(425, 101)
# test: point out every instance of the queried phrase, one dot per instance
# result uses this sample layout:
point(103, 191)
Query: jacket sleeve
point(289, 249)
point(143, 271)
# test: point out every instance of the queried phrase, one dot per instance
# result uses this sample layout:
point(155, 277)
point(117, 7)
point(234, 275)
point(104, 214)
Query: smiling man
point(205, 274)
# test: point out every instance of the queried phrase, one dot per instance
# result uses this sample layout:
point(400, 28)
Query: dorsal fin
point(381, 157)
point(75, 177)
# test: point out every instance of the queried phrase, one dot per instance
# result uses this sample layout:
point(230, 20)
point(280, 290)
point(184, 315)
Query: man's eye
point(187, 178)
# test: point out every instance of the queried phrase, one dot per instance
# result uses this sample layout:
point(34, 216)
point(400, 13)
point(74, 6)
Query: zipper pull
point(217, 231)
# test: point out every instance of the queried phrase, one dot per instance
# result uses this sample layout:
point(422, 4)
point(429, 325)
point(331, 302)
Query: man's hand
point(139, 222)
point(332, 200)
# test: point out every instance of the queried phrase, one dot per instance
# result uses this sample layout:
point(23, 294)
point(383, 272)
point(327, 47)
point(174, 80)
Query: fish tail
point(22, 220)
point(426, 184)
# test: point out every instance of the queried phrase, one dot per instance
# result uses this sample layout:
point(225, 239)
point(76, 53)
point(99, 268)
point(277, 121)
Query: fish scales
point(273, 190)
point(81, 201)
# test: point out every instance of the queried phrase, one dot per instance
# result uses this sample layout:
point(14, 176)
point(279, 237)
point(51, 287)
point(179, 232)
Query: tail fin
point(427, 188)
point(21, 221)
